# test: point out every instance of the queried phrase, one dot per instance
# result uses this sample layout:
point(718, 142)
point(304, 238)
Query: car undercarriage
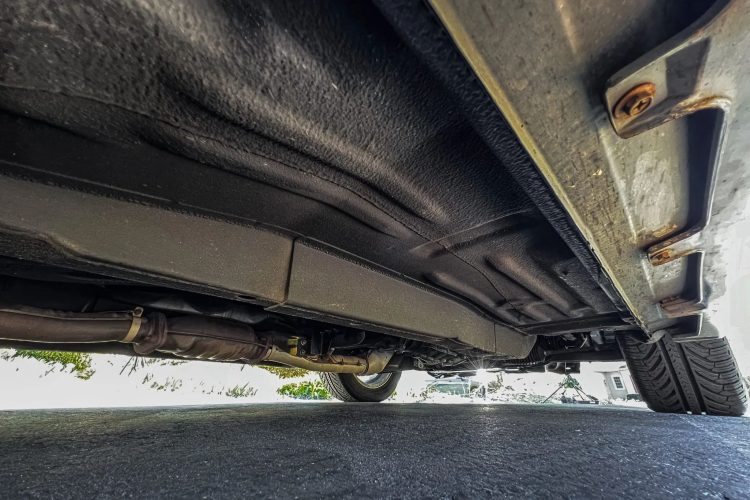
point(336, 186)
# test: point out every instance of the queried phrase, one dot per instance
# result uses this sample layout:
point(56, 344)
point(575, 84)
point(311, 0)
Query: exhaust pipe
point(190, 337)
point(41, 325)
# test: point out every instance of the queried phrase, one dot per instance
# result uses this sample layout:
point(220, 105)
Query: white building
point(619, 384)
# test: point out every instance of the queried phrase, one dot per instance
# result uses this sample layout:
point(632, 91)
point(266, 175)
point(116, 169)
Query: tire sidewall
point(361, 392)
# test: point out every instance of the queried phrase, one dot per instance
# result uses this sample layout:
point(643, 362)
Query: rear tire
point(699, 377)
point(351, 388)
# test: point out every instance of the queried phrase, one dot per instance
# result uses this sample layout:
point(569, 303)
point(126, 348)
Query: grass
point(310, 390)
point(285, 372)
point(240, 391)
point(79, 363)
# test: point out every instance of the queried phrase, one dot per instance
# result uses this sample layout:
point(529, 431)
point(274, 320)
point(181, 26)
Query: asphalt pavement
point(372, 450)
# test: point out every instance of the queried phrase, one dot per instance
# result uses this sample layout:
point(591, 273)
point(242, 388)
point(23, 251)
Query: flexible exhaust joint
point(191, 337)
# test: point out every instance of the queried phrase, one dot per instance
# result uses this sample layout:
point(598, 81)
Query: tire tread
point(333, 383)
point(347, 388)
point(697, 377)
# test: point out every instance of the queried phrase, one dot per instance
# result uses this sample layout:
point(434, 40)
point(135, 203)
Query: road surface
point(378, 450)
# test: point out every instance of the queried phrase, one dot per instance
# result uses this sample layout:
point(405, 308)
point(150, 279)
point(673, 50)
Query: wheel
point(697, 377)
point(370, 388)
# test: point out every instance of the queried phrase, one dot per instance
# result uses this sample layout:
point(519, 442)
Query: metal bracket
point(681, 77)
point(692, 300)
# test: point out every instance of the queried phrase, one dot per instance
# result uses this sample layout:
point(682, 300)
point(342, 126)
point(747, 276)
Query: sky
point(731, 313)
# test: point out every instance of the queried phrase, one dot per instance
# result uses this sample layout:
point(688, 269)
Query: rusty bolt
point(662, 257)
point(635, 101)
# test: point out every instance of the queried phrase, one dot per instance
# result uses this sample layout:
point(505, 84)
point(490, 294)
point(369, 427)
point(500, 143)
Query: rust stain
point(635, 101)
point(663, 231)
point(668, 255)
point(677, 306)
point(693, 106)
point(661, 246)
point(662, 257)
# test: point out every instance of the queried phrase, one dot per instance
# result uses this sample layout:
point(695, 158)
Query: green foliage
point(496, 384)
point(170, 384)
point(305, 390)
point(525, 397)
point(570, 383)
point(423, 395)
point(135, 363)
point(80, 364)
point(286, 372)
point(240, 391)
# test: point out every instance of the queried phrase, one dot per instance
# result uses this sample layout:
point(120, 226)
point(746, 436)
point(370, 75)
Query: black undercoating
point(310, 118)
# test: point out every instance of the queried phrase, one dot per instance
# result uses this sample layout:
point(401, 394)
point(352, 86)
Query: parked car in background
point(456, 386)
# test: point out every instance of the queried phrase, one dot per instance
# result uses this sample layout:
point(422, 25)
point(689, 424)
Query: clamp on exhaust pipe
point(135, 326)
point(191, 337)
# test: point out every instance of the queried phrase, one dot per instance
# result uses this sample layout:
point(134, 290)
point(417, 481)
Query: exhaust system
point(190, 337)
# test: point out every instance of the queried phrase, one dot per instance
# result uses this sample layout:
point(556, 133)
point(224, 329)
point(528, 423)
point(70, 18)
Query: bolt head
point(638, 104)
point(635, 101)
